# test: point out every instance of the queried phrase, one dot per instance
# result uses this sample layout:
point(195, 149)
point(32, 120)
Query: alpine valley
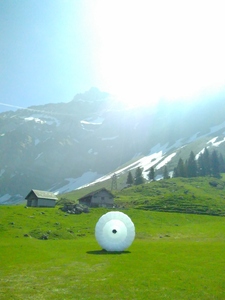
point(65, 146)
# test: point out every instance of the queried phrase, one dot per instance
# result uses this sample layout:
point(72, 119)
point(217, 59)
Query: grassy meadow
point(186, 195)
point(174, 256)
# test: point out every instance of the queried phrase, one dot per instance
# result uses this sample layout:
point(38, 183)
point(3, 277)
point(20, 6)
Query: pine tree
point(215, 167)
point(181, 172)
point(191, 166)
point(165, 173)
point(175, 173)
point(185, 168)
point(138, 179)
point(201, 166)
point(130, 179)
point(221, 163)
point(151, 174)
point(114, 182)
point(206, 161)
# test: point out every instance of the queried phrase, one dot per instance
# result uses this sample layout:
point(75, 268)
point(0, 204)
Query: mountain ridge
point(47, 146)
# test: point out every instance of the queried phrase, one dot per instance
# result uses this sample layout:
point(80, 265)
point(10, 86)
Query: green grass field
point(174, 256)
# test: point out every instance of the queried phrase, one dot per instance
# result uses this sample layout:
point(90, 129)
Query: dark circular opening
point(114, 231)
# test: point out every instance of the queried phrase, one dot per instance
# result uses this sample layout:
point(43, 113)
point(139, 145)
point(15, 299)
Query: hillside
point(186, 195)
point(65, 146)
point(197, 195)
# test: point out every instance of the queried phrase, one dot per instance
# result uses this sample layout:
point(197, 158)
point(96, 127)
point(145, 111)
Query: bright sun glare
point(147, 49)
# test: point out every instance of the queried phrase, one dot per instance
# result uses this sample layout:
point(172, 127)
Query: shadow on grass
point(104, 252)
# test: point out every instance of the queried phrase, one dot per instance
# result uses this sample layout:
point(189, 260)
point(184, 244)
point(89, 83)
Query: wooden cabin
point(99, 198)
point(37, 198)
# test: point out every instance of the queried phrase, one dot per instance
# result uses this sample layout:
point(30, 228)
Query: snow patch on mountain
point(214, 143)
point(212, 130)
point(75, 183)
point(97, 121)
point(199, 153)
point(165, 161)
point(217, 127)
point(4, 198)
point(36, 120)
point(145, 163)
point(218, 143)
point(149, 161)
point(43, 119)
point(8, 199)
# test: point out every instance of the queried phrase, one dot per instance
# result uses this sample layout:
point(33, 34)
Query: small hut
point(37, 198)
point(99, 198)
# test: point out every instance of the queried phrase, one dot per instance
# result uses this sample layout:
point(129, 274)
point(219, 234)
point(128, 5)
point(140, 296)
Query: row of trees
point(138, 177)
point(207, 164)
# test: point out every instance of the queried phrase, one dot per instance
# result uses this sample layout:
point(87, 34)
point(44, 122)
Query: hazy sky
point(139, 50)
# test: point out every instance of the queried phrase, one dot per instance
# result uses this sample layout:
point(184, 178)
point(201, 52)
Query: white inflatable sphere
point(114, 231)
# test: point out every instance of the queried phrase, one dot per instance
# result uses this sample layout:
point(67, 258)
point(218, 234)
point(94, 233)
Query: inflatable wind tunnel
point(114, 231)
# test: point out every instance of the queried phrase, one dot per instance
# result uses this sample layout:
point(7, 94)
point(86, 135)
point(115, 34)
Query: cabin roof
point(96, 192)
point(43, 195)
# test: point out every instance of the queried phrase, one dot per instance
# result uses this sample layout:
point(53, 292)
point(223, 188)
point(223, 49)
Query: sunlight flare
point(147, 50)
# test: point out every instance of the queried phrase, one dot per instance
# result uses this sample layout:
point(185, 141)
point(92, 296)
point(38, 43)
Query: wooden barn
point(38, 198)
point(99, 198)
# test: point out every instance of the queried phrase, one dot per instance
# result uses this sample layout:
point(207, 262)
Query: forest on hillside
point(206, 164)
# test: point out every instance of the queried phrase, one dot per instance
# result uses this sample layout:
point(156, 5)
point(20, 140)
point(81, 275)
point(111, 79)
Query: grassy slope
point(189, 195)
point(174, 256)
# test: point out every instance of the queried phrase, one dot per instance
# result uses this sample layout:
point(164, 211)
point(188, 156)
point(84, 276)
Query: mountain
point(64, 146)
